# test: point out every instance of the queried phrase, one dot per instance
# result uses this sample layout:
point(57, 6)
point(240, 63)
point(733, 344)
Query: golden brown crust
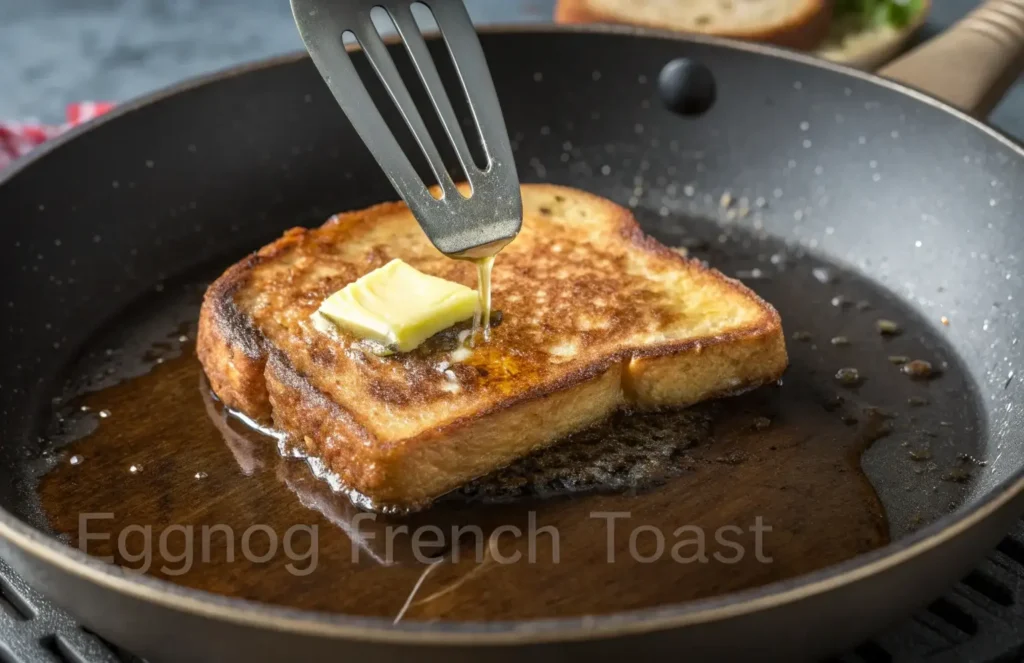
point(230, 349)
point(705, 369)
point(262, 359)
point(803, 31)
point(420, 469)
point(322, 427)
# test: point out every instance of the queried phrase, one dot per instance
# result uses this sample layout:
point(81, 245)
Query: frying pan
point(909, 194)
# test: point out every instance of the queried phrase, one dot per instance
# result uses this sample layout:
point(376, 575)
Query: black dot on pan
point(686, 87)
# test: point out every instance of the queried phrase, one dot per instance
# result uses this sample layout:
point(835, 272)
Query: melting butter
point(482, 318)
point(399, 307)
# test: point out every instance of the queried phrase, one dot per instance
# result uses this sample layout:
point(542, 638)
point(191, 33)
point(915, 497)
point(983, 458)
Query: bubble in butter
point(398, 306)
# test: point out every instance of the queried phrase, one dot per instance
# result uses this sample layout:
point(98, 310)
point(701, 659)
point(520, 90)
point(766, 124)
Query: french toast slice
point(594, 316)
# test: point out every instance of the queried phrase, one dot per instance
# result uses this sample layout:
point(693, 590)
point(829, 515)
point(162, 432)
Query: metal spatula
point(474, 227)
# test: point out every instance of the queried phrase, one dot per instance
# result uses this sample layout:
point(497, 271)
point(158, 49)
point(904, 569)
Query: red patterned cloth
point(18, 138)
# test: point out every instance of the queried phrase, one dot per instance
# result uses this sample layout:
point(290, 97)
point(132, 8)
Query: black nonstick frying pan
point(842, 198)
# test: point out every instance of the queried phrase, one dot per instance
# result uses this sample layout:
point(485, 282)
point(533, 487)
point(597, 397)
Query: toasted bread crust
point(420, 470)
point(249, 374)
point(803, 31)
point(231, 350)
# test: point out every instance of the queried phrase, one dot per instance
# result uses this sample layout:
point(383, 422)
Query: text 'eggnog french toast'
point(592, 316)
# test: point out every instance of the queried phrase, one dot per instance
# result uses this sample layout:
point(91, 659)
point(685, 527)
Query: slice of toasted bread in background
point(798, 24)
point(595, 316)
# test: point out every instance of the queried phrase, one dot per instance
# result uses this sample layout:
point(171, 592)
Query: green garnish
point(896, 13)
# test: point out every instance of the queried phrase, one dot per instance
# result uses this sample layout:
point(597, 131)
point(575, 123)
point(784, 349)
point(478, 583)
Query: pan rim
point(253, 614)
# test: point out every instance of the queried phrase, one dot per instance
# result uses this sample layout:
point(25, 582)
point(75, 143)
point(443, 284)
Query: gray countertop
point(57, 51)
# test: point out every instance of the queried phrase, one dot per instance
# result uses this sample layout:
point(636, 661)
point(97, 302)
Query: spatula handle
point(974, 63)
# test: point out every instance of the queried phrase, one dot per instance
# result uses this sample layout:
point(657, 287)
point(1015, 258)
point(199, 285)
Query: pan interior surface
point(826, 194)
point(720, 497)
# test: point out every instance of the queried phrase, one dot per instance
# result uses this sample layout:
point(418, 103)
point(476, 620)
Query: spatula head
point(467, 227)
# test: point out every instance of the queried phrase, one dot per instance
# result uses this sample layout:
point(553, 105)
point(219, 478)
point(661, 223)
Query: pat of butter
point(398, 306)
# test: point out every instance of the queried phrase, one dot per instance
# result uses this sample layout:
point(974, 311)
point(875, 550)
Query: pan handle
point(974, 63)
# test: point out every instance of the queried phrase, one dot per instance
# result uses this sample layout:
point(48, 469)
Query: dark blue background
point(56, 51)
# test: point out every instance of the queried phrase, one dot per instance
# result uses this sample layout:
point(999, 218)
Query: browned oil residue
point(743, 492)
